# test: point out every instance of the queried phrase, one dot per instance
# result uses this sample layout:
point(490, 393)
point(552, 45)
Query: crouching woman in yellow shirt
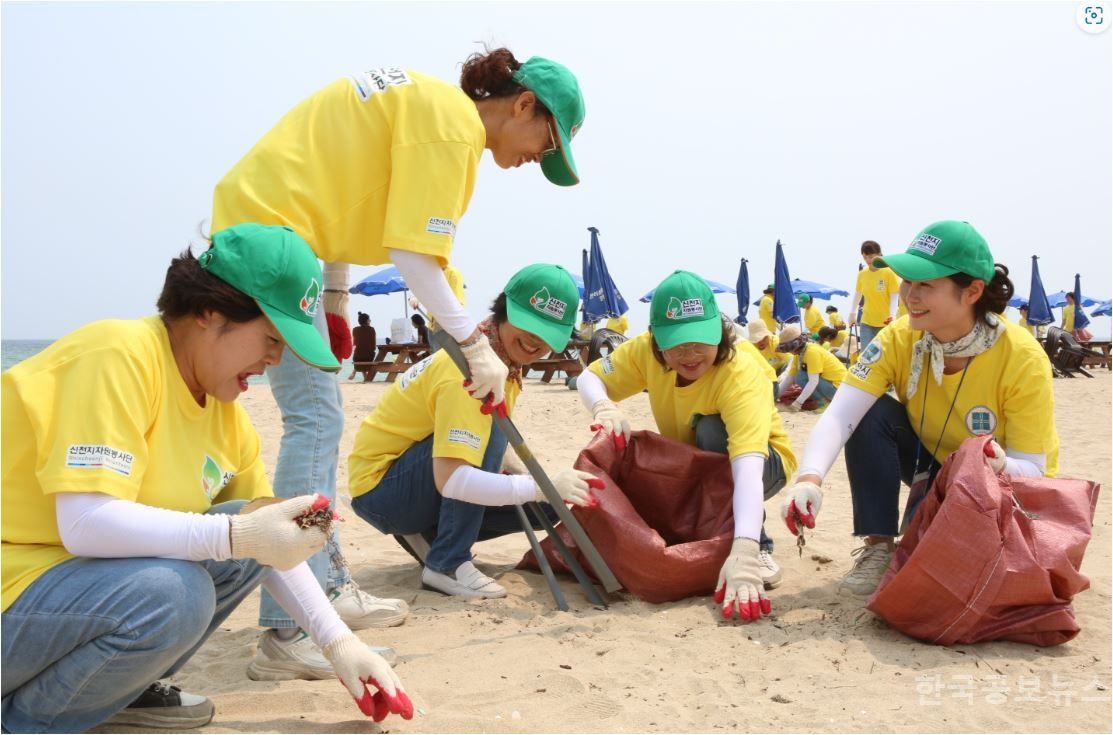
point(813, 368)
point(426, 464)
point(959, 371)
point(126, 460)
point(702, 392)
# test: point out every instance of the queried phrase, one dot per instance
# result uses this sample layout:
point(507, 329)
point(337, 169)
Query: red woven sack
point(990, 557)
point(664, 523)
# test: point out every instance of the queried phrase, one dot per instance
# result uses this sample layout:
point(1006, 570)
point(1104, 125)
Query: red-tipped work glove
point(610, 419)
point(272, 536)
point(488, 375)
point(336, 309)
point(740, 588)
point(994, 456)
point(575, 486)
point(801, 506)
point(360, 669)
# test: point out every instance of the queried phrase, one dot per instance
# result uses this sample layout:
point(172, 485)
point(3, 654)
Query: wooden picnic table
point(406, 355)
point(1102, 346)
point(569, 361)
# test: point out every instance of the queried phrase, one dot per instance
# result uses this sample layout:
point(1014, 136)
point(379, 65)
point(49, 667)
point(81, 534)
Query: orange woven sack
point(990, 557)
point(664, 523)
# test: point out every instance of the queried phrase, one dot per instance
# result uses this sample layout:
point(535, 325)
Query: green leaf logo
point(311, 298)
point(211, 478)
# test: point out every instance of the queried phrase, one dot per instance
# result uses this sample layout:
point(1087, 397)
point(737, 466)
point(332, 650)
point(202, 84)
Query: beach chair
point(603, 342)
point(1066, 354)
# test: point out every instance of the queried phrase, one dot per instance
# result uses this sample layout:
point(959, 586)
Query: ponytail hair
point(491, 74)
point(826, 334)
point(995, 297)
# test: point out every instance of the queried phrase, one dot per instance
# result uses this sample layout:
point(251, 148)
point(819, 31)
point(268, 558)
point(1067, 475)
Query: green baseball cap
point(274, 266)
point(559, 91)
point(543, 299)
point(683, 309)
point(943, 249)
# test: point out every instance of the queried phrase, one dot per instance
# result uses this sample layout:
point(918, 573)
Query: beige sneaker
point(770, 570)
point(360, 610)
point(466, 581)
point(165, 706)
point(872, 561)
point(297, 658)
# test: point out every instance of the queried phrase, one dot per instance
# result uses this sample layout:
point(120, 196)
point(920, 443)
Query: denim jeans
point(826, 389)
point(89, 635)
point(711, 435)
point(406, 501)
point(312, 422)
point(867, 333)
point(880, 454)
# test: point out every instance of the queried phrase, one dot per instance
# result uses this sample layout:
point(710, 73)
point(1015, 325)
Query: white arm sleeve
point(426, 281)
point(591, 388)
point(809, 387)
point(1022, 464)
point(749, 494)
point(298, 593)
point(787, 377)
point(473, 485)
point(101, 526)
point(336, 276)
point(833, 429)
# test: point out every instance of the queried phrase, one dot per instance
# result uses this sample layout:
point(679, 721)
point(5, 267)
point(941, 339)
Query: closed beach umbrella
point(602, 299)
point(784, 301)
point(742, 288)
point(1080, 319)
point(1039, 310)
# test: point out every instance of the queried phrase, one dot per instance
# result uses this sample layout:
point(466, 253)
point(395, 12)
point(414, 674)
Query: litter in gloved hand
point(320, 514)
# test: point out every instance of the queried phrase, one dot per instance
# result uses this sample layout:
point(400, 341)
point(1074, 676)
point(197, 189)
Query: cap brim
point(559, 167)
point(705, 332)
point(913, 267)
point(303, 340)
point(555, 335)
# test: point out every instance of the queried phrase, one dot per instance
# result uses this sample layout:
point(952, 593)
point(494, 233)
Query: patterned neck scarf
point(983, 336)
point(489, 328)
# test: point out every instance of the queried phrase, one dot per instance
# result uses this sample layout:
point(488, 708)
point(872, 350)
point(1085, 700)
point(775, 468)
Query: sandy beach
point(821, 662)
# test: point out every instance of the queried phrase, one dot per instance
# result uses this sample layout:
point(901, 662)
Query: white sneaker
point(869, 567)
point(162, 705)
point(467, 581)
point(770, 570)
point(297, 658)
point(360, 610)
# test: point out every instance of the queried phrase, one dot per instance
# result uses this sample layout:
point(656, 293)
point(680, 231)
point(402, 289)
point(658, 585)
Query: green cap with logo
point(274, 266)
point(559, 91)
point(543, 299)
point(943, 249)
point(683, 309)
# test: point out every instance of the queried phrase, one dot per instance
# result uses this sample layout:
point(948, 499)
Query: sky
point(712, 131)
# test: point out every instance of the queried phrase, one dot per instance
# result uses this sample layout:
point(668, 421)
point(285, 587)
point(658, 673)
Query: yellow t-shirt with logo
point(618, 324)
point(813, 320)
point(1068, 317)
point(765, 312)
point(1007, 392)
point(819, 361)
point(737, 390)
point(877, 288)
point(427, 400)
point(105, 410)
point(382, 159)
point(746, 347)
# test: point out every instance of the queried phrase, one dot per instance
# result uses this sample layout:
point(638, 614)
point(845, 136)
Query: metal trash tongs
point(514, 438)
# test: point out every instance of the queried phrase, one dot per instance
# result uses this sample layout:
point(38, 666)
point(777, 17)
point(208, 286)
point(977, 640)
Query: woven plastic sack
point(989, 557)
point(664, 523)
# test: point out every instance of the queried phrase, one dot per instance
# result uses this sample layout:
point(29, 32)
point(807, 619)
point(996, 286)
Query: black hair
point(869, 247)
point(831, 308)
point(417, 320)
point(363, 319)
point(492, 75)
point(498, 310)
point(189, 290)
point(826, 334)
point(725, 350)
point(997, 292)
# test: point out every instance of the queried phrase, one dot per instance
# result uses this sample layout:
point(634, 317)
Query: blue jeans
point(826, 388)
point(312, 422)
point(406, 501)
point(89, 635)
point(880, 454)
point(711, 435)
point(867, 333)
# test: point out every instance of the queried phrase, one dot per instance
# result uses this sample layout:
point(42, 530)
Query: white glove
point(740, 586)
point(356, 667)
point(272, 536)
point(609, 418)
point(996, 460)
point(794, 407)
point(801, 505)
point(574, 486)
point(488, 374)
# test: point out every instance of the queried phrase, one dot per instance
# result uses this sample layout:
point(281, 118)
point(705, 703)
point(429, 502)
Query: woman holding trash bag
point(704, 393)
point(126, 461)
point(959, 369)
point(379, 167)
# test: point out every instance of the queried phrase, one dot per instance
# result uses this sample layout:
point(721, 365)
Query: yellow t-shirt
point(746, 347)
point(774, 358)
point(737, 390)
point(1068, 317)
point(877, 288)
point(105, 410)
point(1030, 328)
point(819, 361)
point(456, 283)
point(427, 400)
point(765, 312)
point(1007, 392)
point(813, 320)
point(836, 321)
point(587, 330)
point(620, 325)
point(382, 159)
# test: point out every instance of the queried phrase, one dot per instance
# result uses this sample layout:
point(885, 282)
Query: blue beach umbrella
point(1080, 318)
point(1039, 310)
point(388, 280)
point(816, 290)
point(784, 301)
point(1059, 299)
point(743, 290)
point(579, 283)
point(602, 299)
point(715, 286)
point(1105, 308)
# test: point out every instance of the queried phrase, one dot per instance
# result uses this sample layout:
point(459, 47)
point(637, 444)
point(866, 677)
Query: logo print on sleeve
point(980, 420)
point(373, 81)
